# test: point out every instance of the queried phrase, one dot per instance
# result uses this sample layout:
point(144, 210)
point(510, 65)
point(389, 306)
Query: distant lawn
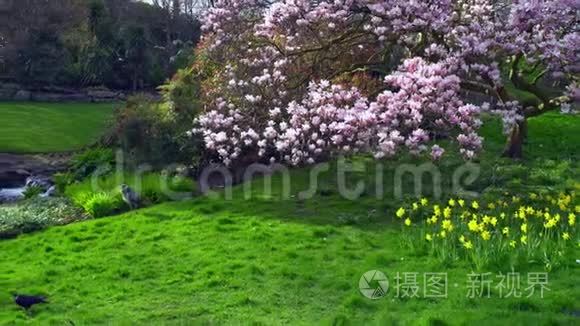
point(27, 127)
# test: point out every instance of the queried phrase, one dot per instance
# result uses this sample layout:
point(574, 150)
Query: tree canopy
point(299, 80)
point(120, 44)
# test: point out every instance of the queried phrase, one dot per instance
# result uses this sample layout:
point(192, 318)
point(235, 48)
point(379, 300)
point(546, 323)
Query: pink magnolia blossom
point(286, 85)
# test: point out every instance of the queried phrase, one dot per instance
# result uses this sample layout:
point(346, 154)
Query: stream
point(19, 172)
point(12, 194)
point(8, 195)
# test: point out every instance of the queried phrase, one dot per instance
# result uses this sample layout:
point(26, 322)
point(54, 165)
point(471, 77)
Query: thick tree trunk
point(515, 141)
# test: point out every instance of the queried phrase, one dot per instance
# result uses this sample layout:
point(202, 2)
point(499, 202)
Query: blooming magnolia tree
point(299, 81)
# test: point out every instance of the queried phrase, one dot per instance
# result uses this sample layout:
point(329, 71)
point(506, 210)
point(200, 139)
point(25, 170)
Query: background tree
point(136, 56)
point(86, 42)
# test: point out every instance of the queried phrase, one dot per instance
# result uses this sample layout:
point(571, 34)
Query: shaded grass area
point(105, 192)
point(270, 260)
point(28, 127)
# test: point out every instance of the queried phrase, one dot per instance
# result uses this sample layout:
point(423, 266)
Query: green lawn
point(272, 261)
point(27, 127)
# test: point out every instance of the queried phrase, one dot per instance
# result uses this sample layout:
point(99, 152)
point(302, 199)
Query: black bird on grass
point(27, 301)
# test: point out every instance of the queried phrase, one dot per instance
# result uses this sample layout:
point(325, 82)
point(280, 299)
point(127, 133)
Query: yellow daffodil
point(524, 239)
point(400, 212)
point(502, 216)
point(442, 234)
point(415, 206)
point(563, 201)
point(451, 202)
point(473, 226)
point(513, 243)
point(468, 245)
point(436, 210)
point(475, 204)
point(571, 219)
point(424, 201)
point(462, 239)
point(486, 219)
point(565, 236)
point(491, 206)
point(447, 212)
point(433, 219)
point(428, 237)
point(524, 228)
point(485, 235)
point(505, 230)
point(461, 202)
point(493, 221)
point(550, 224)
point(533, 196)
point(408, 221)
point(447, 225)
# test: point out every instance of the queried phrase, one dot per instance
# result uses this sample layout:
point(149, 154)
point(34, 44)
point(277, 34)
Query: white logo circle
point(373, 284)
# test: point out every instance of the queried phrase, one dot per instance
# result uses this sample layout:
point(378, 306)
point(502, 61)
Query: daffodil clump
point(513, 230)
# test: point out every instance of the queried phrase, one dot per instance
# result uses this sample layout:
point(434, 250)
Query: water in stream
point(13, 194)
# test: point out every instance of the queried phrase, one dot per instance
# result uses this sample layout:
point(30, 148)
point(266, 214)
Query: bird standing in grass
point(27, 301)
point(130, 196)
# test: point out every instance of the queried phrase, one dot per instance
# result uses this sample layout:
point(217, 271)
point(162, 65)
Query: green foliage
point(35, 214)
point(101, 204)
point(156, 132)
point(91, 160)
point(32, 192)
point(42, 59)
point(136, 53)
point(91, 67)
point(102, 197)
point(62, 180)
point(150, 133)
point(182, 93)
point(120, 44)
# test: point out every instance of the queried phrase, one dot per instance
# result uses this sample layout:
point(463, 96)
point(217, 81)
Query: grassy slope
point(50, 127)
point(271, 261)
